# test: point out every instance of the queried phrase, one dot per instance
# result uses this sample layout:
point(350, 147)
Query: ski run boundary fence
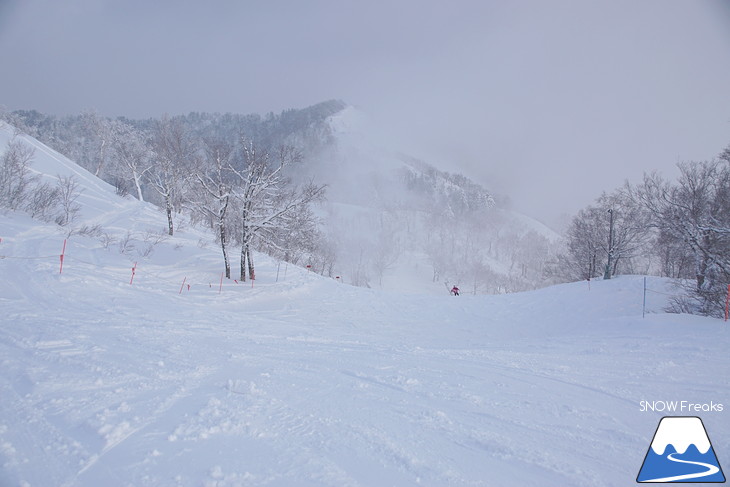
point(217, 282)
point(134, 271)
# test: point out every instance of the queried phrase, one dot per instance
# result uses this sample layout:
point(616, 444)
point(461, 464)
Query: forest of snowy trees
point(678, 229)
point(245, 177)
point(229, 172)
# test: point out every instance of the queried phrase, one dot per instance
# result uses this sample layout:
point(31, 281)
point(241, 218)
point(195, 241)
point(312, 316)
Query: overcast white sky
point(550, 102)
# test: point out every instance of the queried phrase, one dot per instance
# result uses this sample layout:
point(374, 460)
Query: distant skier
point(455, 291)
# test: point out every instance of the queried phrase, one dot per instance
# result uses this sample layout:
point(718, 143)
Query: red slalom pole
point(63, 252)
point(134, 270)
point(183, 284)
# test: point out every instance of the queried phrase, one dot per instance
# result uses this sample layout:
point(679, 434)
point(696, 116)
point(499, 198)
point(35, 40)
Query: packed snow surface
point(115, 378)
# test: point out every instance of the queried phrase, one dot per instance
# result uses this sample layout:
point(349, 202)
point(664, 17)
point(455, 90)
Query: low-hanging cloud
point(549, 103)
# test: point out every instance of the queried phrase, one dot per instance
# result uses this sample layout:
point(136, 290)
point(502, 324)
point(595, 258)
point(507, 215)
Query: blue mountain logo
point(680, 452)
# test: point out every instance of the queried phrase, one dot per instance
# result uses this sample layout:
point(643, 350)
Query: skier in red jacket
point(455, 291)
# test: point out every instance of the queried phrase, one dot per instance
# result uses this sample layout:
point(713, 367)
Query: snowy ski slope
point(299, 380)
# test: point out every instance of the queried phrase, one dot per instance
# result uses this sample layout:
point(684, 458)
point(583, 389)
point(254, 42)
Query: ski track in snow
point(276, 394)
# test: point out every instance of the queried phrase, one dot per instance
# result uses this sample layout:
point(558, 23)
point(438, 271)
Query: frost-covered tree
point(215, 180)
point(96, 142)
point(606, 236)
point(175, 154)
point(16, 178)
point(694, 214)
point(132, 156)
point(298, 240)
point(583, 244)
point(264, 199)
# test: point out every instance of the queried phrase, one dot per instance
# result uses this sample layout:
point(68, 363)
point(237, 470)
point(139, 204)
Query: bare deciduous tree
point(42, 202)
point(68, 193)
point(15, 176)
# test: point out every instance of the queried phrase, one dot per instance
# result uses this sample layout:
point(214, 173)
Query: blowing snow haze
point(549, 103)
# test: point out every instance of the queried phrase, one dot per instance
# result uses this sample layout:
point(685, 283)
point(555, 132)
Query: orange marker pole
point(63, 252)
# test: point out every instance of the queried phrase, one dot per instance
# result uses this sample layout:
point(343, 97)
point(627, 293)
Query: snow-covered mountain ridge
point(400, 224)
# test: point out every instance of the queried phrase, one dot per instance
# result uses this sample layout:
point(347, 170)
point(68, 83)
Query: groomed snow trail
point(309, 382)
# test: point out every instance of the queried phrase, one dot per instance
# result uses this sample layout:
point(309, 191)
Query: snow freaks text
point(680, 407)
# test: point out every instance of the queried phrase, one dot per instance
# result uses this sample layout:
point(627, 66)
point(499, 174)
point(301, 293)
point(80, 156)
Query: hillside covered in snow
point(137, 364)
point(398, 223)
point(388, 221)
